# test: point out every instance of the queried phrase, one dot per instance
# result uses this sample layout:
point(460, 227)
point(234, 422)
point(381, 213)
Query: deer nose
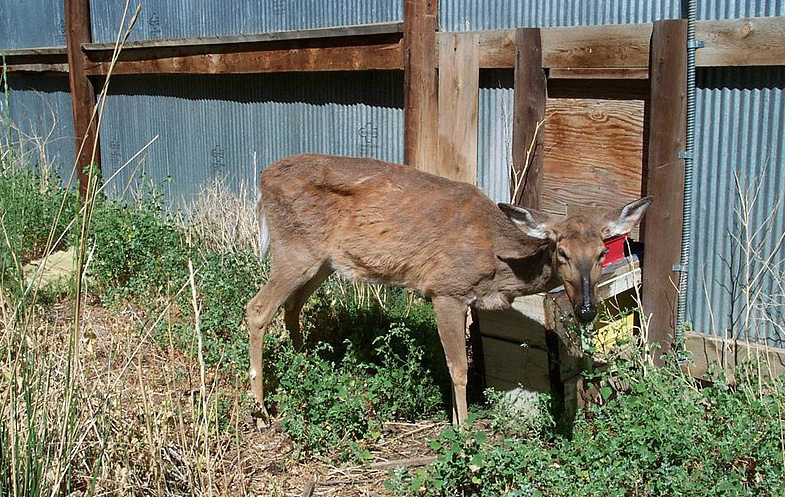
point(586, 313)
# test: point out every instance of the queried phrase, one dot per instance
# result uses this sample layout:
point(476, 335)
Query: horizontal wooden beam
point(708, 350)
point(217, 41)
point(337, 58)
point(576, 52)
point(754, 41)
point(599, 73)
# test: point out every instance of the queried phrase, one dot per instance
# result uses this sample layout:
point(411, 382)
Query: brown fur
point(389, 223)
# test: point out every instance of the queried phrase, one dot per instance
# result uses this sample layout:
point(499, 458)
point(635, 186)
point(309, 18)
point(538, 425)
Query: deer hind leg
point(294, 304)
point(451, 321)
point(259, 312)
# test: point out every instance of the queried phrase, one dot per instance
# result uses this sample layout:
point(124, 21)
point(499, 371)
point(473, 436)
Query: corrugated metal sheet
point(193, 18)
point(472, 15)
point(42, 125)
point(213, 126)
point(740, 134)
point(494, 147)
point(732, 9)
point(31, 23)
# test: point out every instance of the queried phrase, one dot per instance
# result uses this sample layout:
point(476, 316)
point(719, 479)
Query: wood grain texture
point(336, 58)
point(420, 114)
point(363, 30)
point(459, 89)
point(529, 97)
point(665, 178)
point(599, 73)
point(77, 21)
point(710, 350)
point(754, 41)
point(593, 153)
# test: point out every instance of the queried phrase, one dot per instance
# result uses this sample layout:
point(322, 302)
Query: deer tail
point(264, 230)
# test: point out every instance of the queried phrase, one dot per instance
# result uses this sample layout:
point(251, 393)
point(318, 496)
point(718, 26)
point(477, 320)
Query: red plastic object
point(615, 246)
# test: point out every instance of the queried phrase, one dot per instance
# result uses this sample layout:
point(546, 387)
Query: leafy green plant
point(661, 436)
point(326, 403)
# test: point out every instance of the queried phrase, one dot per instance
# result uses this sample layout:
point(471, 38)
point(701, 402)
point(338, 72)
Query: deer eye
point(562, 255)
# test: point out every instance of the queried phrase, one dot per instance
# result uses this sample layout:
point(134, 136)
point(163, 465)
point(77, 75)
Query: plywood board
point(593, 153)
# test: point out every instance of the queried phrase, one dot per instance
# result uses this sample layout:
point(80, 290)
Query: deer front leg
point(451, 321)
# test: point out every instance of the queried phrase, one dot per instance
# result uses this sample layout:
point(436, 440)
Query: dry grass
point(222, 219)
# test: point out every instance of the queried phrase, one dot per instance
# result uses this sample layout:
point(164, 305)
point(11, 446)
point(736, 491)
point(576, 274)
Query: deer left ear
point(621, 221)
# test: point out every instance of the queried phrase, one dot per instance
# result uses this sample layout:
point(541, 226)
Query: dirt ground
point(157, 384)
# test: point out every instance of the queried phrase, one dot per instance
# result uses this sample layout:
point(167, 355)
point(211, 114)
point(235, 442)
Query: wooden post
point(420, 106)
point(459, 91)
point(529, 109)
point(665, 178)
point(77, 22)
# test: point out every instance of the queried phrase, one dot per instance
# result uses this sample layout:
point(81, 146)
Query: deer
point(380, 222)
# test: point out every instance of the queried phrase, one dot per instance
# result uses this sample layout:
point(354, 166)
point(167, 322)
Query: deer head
point(577, 248)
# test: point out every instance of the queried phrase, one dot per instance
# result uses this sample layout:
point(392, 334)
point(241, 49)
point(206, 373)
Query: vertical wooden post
point(77, 32)
point(529, 109)
point(420, 106)
point(459, 91)
point(665, 177)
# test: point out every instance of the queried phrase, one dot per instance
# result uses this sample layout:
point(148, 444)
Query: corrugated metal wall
point(42, 127)
point(193, 18)
point(739, 209)
point(213, 126)
point(473, 15)
point(31, 23)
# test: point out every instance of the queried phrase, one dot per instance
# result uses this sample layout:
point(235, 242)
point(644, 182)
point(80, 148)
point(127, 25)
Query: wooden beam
point(77, 31)
point(528, 110)
point(329, 58)
point(665, 178)
point(599, 73)
point(459, 90)
point(363, 30)
point(754, 41)
point(708, 350)
point(421, 120)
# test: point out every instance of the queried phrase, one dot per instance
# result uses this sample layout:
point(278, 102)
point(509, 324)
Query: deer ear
point(621, 221)
point(533, 223)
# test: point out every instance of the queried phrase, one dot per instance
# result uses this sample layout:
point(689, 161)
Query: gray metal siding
point(494, 147)
point(31, 23)
point(732, 9)
point(213, 126)
point(740, 134)
point(194, 18)
point(42, 126)
point(473, 15)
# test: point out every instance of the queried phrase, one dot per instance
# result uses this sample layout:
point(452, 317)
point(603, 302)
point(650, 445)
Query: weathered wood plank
point(594, 153)
point(347, 58)
point(665, 178)
point(16, 52)
point(77, 32)
point(529, 97)
point(708, 350)
point(217, 41)
point(38, 68)
point(599, 73)
point(421, 120)
point(754, 41)
point(509, 364)
point(459, 89)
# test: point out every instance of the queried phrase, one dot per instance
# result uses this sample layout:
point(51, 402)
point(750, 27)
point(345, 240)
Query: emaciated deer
point(382, 222)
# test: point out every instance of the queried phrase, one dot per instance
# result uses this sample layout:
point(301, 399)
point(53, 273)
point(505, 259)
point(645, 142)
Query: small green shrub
point(29, 208)
point(663, 436)
point(327, 404)
point(136, 250)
